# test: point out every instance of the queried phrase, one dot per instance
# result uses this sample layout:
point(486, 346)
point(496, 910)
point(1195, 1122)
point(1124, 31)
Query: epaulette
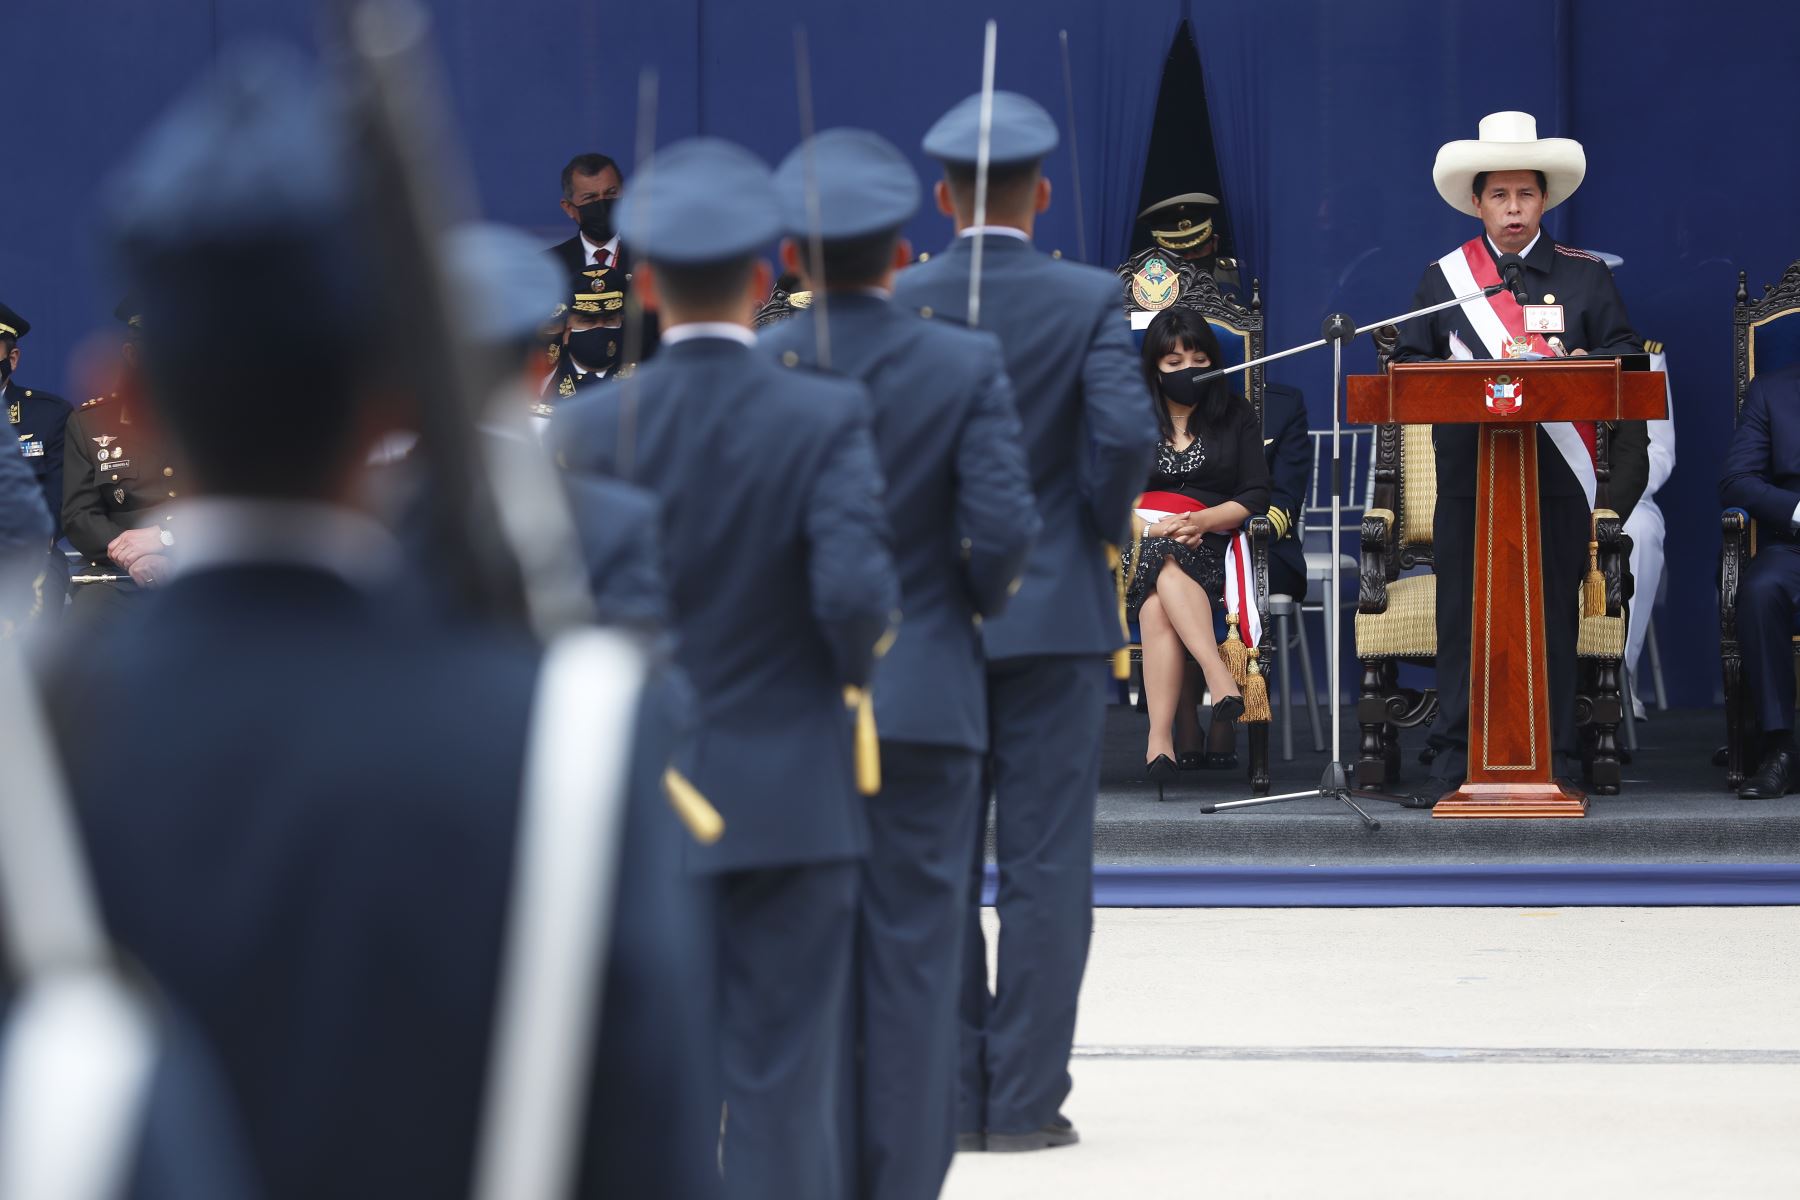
point(1572, 252)
point(96, 400)
point(1226, 264)
point(1652, 347)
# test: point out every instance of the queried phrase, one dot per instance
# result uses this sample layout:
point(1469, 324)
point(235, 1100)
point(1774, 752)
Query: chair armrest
point(1734, 528)
point(1371, 569)
point(1262, 536)
point(1615, 560)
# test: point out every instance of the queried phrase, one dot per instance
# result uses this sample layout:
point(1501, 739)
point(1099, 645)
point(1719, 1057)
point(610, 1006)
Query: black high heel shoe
point(1159, 771)
point(1229, 709)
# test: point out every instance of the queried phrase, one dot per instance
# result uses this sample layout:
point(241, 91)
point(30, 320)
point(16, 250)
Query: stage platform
point(1674, 835)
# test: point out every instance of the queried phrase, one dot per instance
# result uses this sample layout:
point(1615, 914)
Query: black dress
point(1218, 467)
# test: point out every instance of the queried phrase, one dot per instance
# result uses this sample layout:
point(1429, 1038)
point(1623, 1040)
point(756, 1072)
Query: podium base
point(1511, 800)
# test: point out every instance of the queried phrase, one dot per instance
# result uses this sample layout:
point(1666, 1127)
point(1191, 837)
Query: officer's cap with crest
point(1022, 132)
point(242, 198)
point(504, 282)
point(12, 324)
point(864, 185)
point(699, 201)
point(599, 292)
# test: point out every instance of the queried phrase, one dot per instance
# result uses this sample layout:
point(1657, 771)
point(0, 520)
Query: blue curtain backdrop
point(1326, 118)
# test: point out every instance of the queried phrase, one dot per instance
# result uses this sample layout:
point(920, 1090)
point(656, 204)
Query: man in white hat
point(1562, 301)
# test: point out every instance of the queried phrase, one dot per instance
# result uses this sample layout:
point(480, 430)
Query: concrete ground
point(1344, 1053)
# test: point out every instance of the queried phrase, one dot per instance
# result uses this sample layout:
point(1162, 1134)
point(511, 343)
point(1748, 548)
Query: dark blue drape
point(1326, 119)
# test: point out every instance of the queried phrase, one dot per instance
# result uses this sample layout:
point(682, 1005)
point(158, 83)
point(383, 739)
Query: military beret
point(699, 201)
point(865, 185)
point(504, 283)
point(1022, 132)
point(12, 324)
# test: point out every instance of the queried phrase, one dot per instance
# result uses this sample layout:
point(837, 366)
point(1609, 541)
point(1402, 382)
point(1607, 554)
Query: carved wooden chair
point(1766, 336)
point(1153, 280)
point(1396, 615)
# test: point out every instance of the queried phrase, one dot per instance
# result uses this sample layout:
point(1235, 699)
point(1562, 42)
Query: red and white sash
point(1500, 322)
point(1240, 586)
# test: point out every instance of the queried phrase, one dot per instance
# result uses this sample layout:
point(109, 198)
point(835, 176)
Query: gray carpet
point(1673, 809)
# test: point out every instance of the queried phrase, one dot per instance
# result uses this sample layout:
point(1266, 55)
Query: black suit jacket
point(1762, 464)
point(1287, 446)
point(1594, 318)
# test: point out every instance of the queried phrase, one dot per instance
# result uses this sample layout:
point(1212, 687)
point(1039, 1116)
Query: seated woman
point(1211, 454)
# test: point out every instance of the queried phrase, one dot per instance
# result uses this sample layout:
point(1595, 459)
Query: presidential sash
point(1240, 590)
point(1500, 324)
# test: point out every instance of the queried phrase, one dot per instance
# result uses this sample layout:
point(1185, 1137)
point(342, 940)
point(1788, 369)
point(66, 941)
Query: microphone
point(1512, 267)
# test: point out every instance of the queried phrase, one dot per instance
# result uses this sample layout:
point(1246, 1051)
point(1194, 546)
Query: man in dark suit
point(1089, 438)
point(590, 188)
point(1508, 178)
point(322, 878)
point(959, 501)
point(1288, 447)
point(1762, 477)
point(781, 585)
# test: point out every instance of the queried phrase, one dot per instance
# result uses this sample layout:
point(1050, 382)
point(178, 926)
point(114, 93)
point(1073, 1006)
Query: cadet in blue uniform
point(1089, 441)
point(35, 417)
point(1508, 179)
point(781, 583)
point(315, 852)
point(959, 501)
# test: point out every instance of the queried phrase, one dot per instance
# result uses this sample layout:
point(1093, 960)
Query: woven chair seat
point(1408, 629)
point(1601, 637)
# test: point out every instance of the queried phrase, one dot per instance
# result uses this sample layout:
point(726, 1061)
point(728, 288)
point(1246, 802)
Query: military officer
point(119, 475)
point(24, 532)
point(1089, 438)
point(345, 964)
point(959, 501)
point(1183, 225)
point(782, 583)
point(1508, 178)
point(593, 340)
point(36, 418)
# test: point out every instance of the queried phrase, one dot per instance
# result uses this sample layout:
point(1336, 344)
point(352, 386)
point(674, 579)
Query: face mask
point(595, 349)
point(1183, 387)
point(596, 221)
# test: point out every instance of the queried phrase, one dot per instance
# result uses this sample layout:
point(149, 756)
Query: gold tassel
point(1256, 692)
point(1122, 656)
point(868, 742)
point(1233, 651)
point(704, 824)
point(1593, 588)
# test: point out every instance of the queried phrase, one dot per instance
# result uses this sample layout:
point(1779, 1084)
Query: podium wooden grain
point(1510, 765)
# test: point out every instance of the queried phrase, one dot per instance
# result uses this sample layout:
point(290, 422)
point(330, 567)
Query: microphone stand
point(1334, 784)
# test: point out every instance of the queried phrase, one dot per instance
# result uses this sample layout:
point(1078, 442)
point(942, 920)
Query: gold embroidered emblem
point(555, 351)
point(12, 412)
point(1155, 286)
point(566, 387)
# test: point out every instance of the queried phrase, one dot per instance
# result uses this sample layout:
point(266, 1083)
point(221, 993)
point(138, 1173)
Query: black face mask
point(1183, 387)
point(5, 368)
point(596, 221)
point(595, 349)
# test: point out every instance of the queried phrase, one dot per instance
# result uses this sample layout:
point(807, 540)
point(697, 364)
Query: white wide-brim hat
point(1508, 141)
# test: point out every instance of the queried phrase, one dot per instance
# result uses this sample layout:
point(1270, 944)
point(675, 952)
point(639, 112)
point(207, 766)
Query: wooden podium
point(1510, 766)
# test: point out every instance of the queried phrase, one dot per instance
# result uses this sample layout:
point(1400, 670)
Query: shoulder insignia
point(97, 400)
point(1652, 347)
point(1572, 252)
point(566, 387)
point(1227, 264)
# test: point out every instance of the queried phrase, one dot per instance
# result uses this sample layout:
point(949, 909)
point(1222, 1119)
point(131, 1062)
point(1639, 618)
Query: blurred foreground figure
point(314, 852)
point(781, 584)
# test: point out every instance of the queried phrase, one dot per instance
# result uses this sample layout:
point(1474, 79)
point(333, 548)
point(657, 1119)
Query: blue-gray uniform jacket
point(958, 499)
point(1090, 434)
point(37, 419)
point(780, 579)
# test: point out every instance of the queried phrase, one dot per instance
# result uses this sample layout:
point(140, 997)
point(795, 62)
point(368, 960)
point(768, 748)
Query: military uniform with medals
point(1183, 226)
point(37, 419)
point(117, 476)
point(598, 291)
